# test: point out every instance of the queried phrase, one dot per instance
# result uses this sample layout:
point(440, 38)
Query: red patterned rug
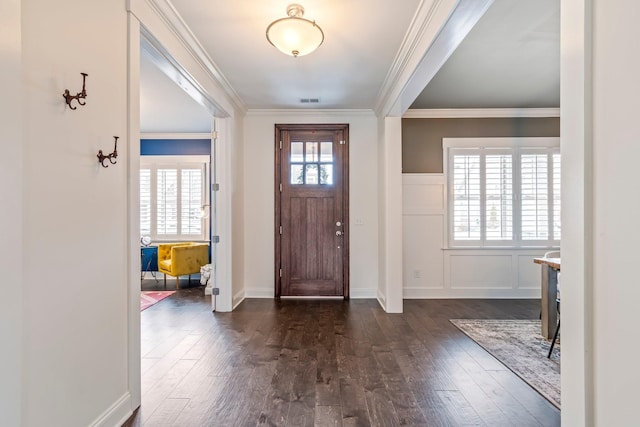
point(148, 298)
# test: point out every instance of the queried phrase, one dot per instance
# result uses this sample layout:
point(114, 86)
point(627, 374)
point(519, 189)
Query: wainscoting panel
point(422, 253)
point(486, 271)
point(431, 270)
point(529, 274)
point(422, 194)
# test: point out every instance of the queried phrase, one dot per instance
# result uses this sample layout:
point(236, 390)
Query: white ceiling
point(510, 59)
point(165, 107)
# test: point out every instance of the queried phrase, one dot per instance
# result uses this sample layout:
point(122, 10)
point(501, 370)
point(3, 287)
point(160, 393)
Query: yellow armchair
point(180, 259)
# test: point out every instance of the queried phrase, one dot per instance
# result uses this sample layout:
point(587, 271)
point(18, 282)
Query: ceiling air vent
point(309, 100)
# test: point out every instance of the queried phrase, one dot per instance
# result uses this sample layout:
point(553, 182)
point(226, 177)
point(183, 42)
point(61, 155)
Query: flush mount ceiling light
point(295, 35)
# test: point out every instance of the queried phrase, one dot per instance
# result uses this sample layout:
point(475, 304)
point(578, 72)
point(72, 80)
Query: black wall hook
point(79, 96)
point(111, 157)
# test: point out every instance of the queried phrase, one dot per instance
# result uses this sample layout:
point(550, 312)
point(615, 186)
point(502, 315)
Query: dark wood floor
point(328, 363)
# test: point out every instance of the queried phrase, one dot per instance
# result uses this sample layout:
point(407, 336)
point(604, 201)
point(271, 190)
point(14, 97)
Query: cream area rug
point(519, 345)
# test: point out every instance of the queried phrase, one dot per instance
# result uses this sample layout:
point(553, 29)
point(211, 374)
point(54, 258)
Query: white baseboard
point(237, 299)
point(357, 293)
point(116, 414)
point(382, 300)
point(426, 293)
point(362, 293)
point(258, 293)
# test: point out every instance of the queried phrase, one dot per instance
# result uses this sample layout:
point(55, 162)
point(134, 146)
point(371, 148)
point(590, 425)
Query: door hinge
point(281, 145)
point(343, 142)
point(215, 239)
point(215, 187)
point(280, 229)
point(214, 134)
point(280, 272)
point(281, 188)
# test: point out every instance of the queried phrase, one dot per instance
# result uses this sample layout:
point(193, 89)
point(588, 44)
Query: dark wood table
point(549, 288)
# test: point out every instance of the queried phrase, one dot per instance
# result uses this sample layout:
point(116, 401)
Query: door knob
point(338, 233)
point(338, 224)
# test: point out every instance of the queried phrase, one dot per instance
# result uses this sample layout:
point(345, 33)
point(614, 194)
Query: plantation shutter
point(145, 202)
point(466, 197)
point(556, 196)
point(499, 196)
point(534, 213)
point(167, 202)
point(191, 194)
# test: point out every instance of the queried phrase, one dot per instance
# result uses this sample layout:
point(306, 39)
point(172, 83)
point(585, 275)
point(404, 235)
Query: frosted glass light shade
point(295, 35)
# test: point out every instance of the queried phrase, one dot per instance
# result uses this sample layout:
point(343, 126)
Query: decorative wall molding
point(165, 11)
point(438, 27)
point(470, 113)
point(432, 271)
point(177, 24)
point(416, 30)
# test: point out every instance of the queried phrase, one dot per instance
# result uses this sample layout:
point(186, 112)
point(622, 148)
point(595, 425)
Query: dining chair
point(555, 335)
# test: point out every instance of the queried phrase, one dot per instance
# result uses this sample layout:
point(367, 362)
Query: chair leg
point(177, 282)
point(555, 336)
point(165, 280)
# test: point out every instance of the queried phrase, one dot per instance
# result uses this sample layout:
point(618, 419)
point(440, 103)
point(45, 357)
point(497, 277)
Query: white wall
point(259, 197)
point(431, 270)
point(616, 209)
point(600, 100)
point(11, 248)
point(75, 216)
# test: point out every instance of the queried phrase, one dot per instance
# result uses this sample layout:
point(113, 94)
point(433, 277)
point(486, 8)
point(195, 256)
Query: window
point(503, 192)
point(173, 197)
point(311, 163)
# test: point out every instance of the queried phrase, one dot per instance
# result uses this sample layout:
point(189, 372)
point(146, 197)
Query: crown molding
point(437, 29)
point(467, 113)
point(170, 16)
point(414, 34)
point(310, 112)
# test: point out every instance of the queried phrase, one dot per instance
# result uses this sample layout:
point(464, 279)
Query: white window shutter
point(556, 196)
point(145, 202)
point(534, 210)
point(191, 197)
point(504, 194)
point(167, 206)
point(499, 196)
point(466, 197)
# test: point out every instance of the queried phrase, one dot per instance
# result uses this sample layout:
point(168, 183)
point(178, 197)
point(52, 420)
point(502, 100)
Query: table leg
point(548, 297)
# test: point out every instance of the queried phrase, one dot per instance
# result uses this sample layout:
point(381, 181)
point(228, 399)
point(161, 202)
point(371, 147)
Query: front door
point(312, 246)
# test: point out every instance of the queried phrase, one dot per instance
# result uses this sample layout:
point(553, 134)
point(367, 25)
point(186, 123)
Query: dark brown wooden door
point(312, 256)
